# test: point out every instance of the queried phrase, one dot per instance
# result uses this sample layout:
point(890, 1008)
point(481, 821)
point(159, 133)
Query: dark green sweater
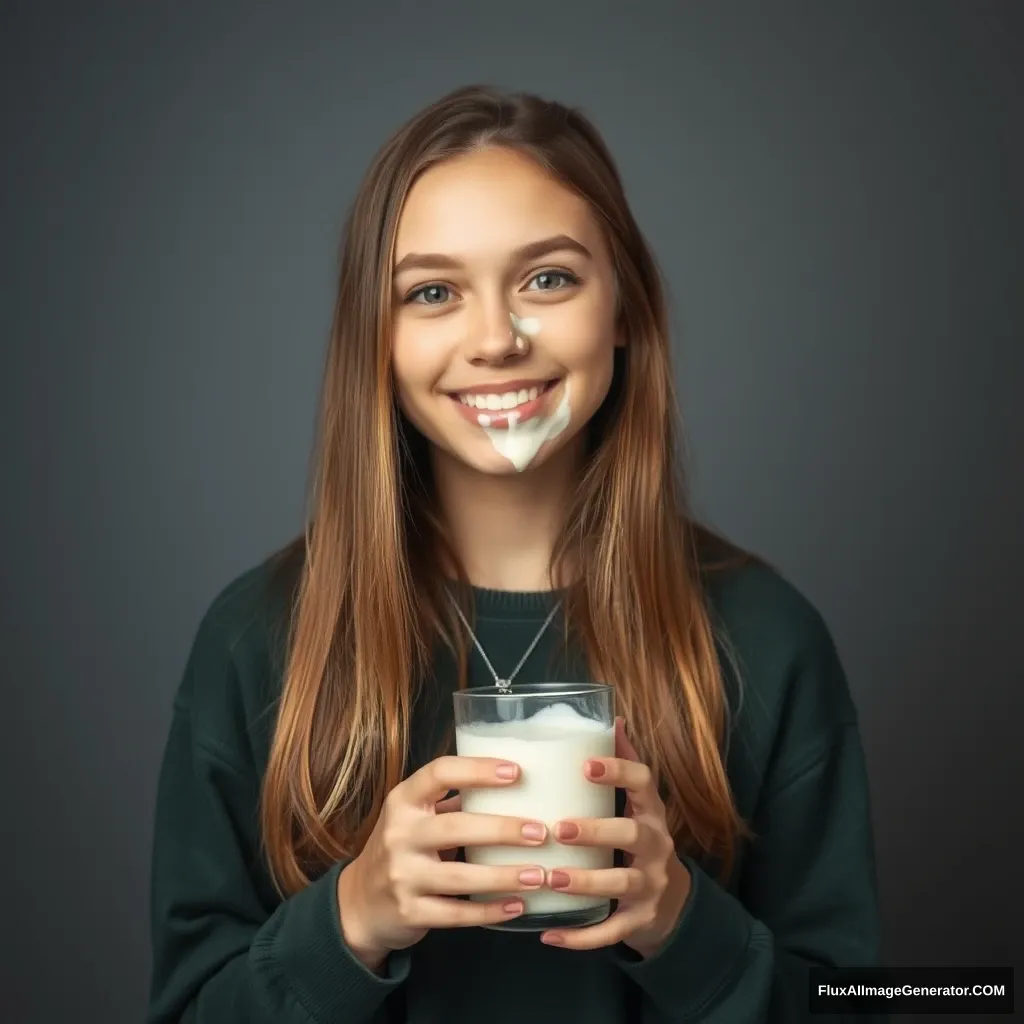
point(227, 950)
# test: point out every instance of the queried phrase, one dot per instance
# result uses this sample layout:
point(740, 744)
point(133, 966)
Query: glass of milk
point(549, 730)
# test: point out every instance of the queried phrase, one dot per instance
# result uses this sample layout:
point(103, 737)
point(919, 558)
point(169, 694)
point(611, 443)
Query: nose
point(494, 340)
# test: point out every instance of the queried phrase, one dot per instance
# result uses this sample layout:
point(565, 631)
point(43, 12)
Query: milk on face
point(551, 748)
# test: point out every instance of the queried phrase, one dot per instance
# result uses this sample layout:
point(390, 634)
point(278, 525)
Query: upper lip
point(503, 388)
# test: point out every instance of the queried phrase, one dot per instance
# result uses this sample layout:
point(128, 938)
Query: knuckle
point(396, 879)
point(405, 904)
point(632, 831)
point(392, 835)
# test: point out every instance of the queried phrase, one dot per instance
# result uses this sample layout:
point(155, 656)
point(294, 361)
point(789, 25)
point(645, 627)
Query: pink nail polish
point(567, 830)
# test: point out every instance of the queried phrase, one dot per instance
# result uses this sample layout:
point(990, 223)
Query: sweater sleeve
point(807, 890)
point(223, 952)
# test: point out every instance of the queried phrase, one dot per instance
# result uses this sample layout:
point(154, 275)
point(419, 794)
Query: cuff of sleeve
point(702, 952)
point(310, 951)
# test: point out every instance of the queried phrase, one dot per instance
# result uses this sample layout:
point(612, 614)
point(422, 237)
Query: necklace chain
point(505, 684)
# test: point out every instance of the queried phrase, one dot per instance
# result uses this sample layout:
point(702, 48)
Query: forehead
point(489, 201)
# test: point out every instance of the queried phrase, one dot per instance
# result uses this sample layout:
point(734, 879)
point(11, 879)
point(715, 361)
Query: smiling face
point(490, 249)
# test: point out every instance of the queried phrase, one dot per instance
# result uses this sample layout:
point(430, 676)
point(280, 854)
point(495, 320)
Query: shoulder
point(789, 691)
point(251, 609)
point(235, 666)
point(760, 608)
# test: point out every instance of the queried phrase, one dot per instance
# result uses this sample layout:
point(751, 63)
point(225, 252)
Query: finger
point(632, 776)
point(446, 806)
point(436, 779)
point(453, 879)
point(617, 833)
point(461, 828)
point(618, 883)
point(623, 748)
point(451, 912)
point(608, 932)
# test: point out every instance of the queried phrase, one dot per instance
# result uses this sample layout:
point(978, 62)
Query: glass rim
point(521, 690)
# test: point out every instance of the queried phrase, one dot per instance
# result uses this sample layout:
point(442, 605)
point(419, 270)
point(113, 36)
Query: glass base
point(563, 919)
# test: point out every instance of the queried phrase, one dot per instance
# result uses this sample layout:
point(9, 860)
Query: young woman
point(497, 475)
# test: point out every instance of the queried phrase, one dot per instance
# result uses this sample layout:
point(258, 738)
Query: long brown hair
point(369, 599)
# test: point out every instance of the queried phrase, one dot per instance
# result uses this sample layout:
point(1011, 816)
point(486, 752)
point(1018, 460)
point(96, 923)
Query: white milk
point(551, 748)
point(519, 443)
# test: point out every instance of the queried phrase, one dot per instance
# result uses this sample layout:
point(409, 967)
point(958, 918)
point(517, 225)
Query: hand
point(652, 889)
point(404, 881)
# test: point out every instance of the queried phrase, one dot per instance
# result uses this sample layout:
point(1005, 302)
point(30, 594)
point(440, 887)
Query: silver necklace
point(504, 685)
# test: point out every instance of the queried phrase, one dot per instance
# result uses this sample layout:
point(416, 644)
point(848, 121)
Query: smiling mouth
point(503, 402)
point(500, 417)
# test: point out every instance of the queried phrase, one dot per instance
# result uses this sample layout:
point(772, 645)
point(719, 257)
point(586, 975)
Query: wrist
point(673, 904)
point(353, 933)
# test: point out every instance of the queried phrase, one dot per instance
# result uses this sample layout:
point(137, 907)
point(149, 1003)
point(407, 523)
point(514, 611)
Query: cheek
point(417, 361)
point(585, 336)
point(586, 321)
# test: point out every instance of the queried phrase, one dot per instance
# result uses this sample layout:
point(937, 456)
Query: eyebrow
point(530, 251)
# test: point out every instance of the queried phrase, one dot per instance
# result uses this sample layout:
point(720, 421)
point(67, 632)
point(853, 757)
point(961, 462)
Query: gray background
point(834, 191)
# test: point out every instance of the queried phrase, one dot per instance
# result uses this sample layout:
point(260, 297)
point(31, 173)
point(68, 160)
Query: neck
point(504, 527)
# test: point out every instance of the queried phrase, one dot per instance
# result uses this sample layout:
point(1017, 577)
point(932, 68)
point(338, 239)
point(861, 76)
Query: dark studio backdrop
point(834, 191)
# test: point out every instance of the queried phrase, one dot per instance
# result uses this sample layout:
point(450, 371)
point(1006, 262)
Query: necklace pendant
point(504, 685)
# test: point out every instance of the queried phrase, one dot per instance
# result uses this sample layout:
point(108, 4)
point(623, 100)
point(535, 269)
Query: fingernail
point(596, 769)
point(553, 940)
point(534, 832)
point(566, 830)
point(507, 770)
point(558, 880)
point(532, 876)
point(512, 906)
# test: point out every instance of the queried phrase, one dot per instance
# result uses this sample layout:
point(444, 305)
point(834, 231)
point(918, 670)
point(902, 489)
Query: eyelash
point(570, 278)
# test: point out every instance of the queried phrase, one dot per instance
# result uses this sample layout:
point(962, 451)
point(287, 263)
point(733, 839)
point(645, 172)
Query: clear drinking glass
point(549, 730)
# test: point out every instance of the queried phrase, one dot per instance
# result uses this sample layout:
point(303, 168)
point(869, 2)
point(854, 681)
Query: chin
point(495, 464)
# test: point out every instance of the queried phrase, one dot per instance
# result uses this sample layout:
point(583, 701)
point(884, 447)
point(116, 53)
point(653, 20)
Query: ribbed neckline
point(489, 602)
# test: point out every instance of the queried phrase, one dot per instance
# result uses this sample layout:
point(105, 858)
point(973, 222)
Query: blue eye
point(553, 276)
point(429, 292)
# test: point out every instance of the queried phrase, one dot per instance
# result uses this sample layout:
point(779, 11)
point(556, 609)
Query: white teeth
point(509, 400)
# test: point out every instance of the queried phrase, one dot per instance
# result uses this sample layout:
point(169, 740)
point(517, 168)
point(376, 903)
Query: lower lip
point(499, 417)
